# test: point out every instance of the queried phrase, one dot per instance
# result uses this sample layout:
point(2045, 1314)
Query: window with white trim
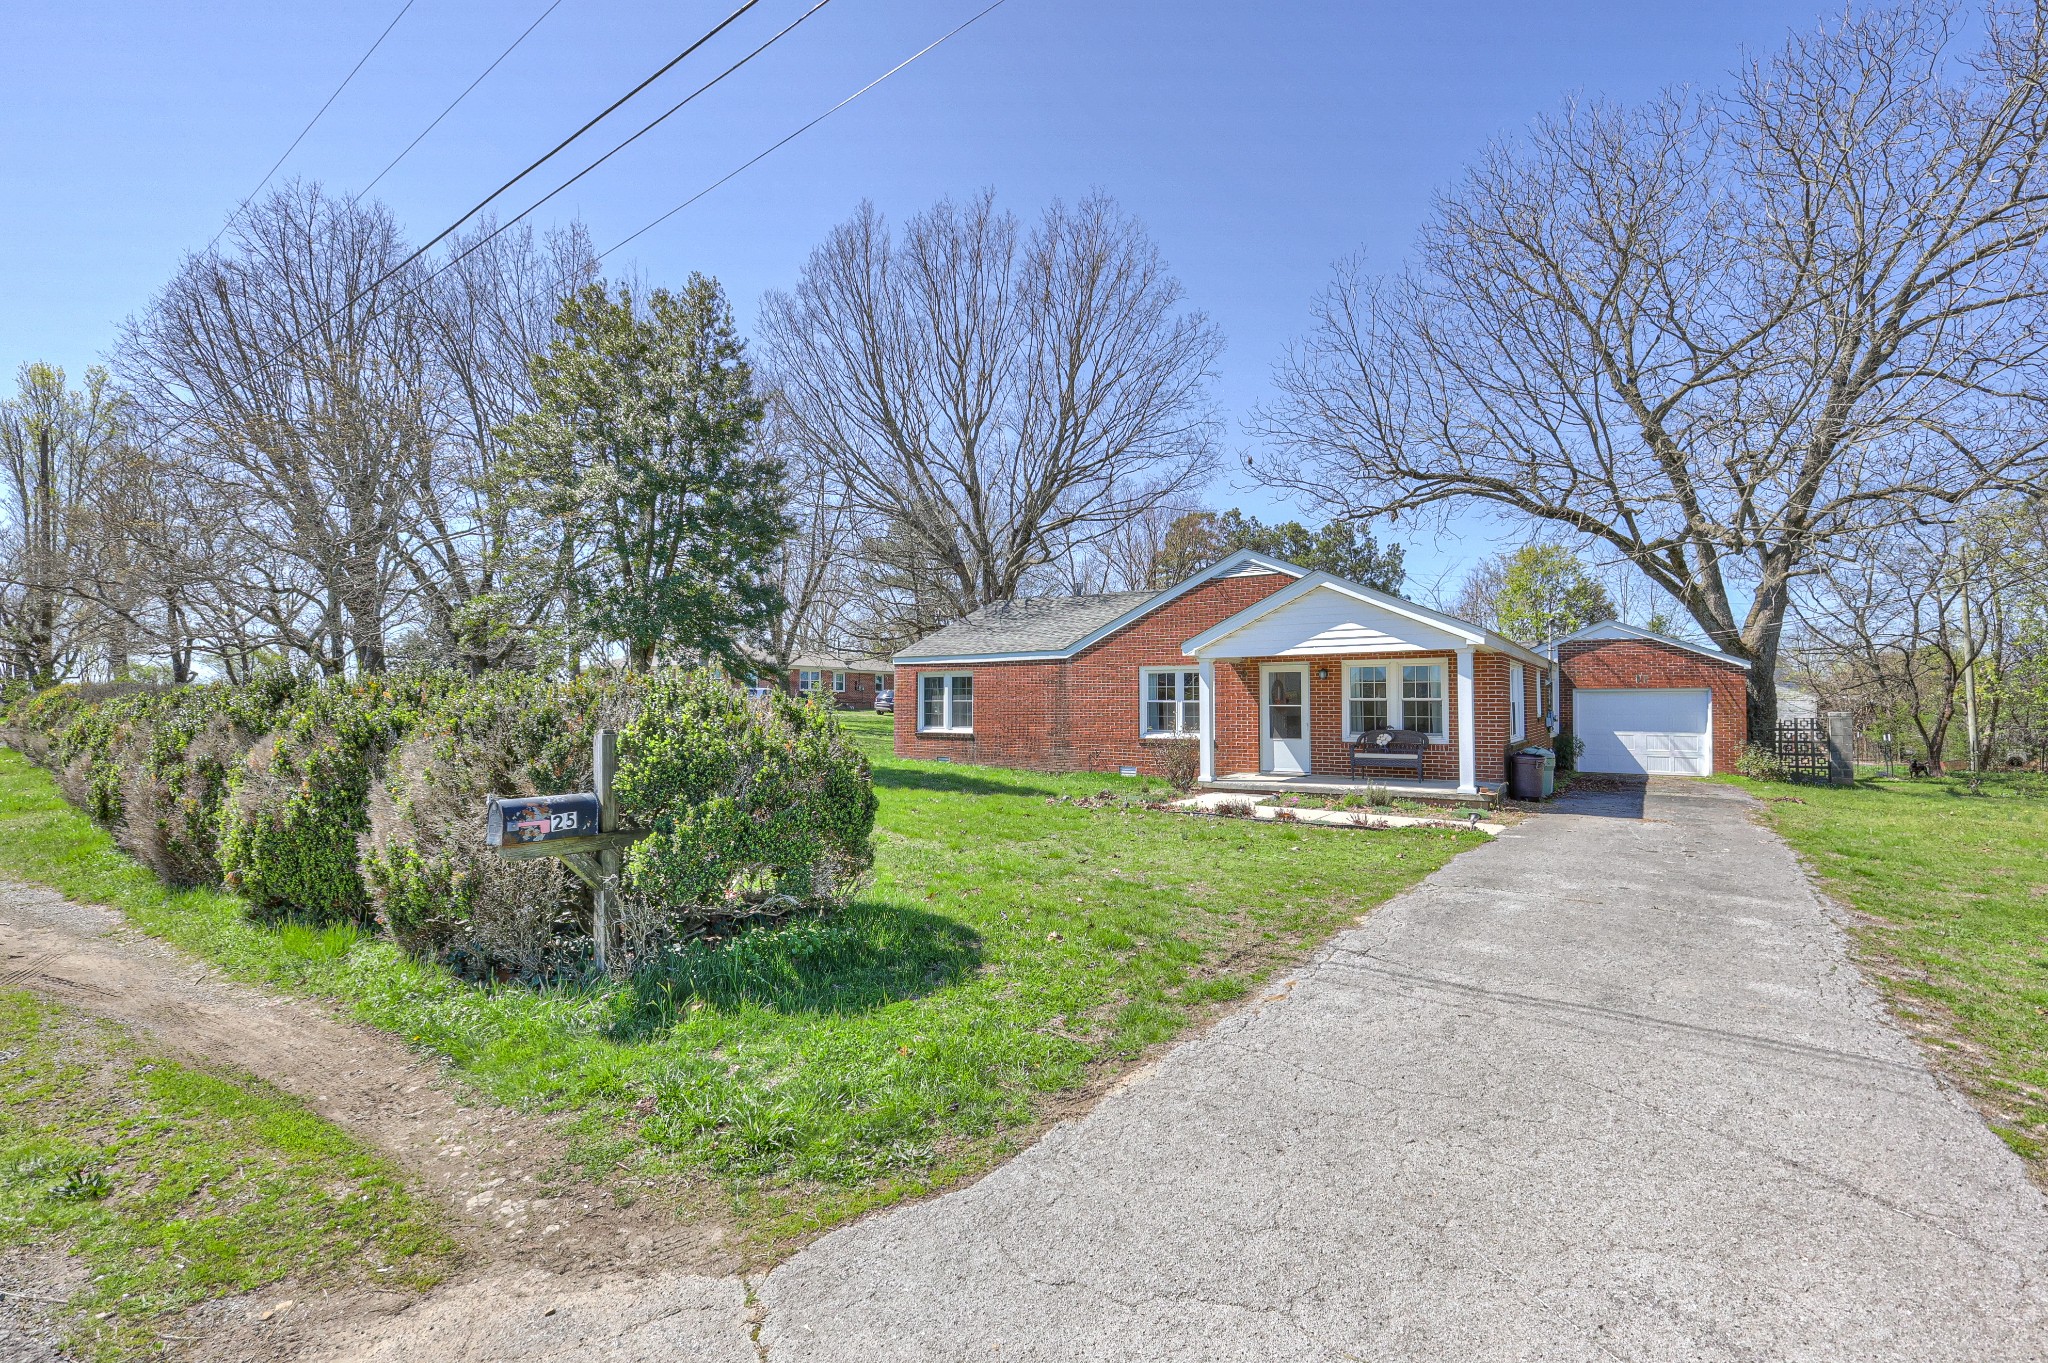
point(1172, 699)
point(1422, 699)
point(945, 702)
point(806, 682)
point(838, 681)
point(1518, 705)
point(1365, 699)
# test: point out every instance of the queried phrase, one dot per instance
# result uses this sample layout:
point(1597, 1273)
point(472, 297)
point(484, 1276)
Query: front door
point(1283, 720)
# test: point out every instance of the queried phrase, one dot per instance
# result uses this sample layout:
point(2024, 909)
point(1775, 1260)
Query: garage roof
point(1614, 629)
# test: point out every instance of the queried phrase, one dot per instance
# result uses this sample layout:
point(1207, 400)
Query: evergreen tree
point(641, 452)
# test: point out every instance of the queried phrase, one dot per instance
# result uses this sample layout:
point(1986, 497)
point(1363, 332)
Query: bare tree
point(990, 400)
point(814, 568)
point(56, 444)
point(1715, 332)
point(301, 389)
point(470, 549)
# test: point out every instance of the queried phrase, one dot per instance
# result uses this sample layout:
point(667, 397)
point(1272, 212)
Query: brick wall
point(1237, 713)
point(1083, 715)
point(1079, 715)
point(1606, 664)
point(858, 695)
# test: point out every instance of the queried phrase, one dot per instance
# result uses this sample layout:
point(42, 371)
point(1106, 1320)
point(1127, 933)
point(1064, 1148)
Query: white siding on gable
point(1327, 621)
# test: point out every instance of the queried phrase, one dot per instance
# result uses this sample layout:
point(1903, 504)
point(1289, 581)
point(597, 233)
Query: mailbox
point(517, 820)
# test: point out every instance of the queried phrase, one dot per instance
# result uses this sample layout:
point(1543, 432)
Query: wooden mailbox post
point(581, 828)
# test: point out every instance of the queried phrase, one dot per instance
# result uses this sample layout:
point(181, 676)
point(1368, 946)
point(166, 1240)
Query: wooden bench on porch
point(1379, 748)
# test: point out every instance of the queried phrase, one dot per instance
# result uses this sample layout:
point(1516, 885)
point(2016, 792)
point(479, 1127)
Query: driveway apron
point(1607, 1088)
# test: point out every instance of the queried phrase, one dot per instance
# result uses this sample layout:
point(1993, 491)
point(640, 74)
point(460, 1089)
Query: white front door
point(1283, 720)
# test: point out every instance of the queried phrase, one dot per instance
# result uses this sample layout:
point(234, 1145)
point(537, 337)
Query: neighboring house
point(851, 682)
point(1794, 703)
point(1269, 667)
point(1647, 703)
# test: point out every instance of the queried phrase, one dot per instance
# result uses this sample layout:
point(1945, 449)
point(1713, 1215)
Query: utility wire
point(646, 128)
point(552, 152)
point(292, 345)
point(552, 7)
point(250, 196)
point(776, 146)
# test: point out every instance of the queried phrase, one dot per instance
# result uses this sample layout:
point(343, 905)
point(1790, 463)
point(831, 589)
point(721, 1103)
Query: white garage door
point(1662, 733)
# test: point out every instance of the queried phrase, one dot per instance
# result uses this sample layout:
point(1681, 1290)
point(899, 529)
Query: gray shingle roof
point(1042, 624)
point(822, 662)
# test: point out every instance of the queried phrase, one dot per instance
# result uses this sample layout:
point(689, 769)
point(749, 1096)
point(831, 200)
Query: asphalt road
point(1605, 1089)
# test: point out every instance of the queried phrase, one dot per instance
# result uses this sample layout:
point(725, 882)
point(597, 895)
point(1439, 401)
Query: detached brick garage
point(1645, 704)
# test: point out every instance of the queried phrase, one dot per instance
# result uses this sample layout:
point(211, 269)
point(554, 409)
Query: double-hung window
point(1518, 704)
point(1365, 699)
point(945, 702)
point(838, 681)
point(806, 682)
point(1394, 696)
point(1422, 698)
point(1172, 700)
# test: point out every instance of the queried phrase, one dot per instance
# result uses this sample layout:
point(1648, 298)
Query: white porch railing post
point(1468, 761)
point(1208, 741)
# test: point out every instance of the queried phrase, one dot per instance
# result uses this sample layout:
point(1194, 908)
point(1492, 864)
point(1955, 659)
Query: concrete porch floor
point(1403, 788)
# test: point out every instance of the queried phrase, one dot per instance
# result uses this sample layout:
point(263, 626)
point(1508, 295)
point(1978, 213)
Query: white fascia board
point(1287, 596)
point(1228, 565)
point(1615, 629)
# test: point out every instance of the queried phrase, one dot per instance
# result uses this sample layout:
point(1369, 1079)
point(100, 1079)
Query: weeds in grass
point(83, 1184)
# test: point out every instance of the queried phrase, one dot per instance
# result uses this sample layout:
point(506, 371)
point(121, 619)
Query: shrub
point(1182, 760)
point(299, 798)
point(432, 881)
point(1758, 762)
point(752, 804)
point(1570, 747)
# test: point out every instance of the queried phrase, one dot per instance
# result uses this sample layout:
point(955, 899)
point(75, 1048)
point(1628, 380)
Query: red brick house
point(850, 682)
point(1271, 668)
point(1647, 703)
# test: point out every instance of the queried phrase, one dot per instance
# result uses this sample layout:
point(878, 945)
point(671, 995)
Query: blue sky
point(1258, 142)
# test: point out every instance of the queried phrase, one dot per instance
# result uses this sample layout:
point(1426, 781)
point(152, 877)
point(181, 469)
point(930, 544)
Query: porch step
point(1428, 792)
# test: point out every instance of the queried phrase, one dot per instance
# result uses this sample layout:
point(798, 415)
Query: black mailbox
point(538, 818)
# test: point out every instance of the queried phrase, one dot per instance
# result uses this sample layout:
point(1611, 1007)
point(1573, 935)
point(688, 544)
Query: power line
point(646, 128)
point(552, 7)
point(247, 198)
point(776, 146)
point(552, 152)
point(291, 345)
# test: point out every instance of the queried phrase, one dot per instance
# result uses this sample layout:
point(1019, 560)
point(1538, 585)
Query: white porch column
point(1468, 762)
point(1208, 741)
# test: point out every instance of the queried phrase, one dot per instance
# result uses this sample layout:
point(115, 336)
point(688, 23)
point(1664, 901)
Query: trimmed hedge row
point(364, 800)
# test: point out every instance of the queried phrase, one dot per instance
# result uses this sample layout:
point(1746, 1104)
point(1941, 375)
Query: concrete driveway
point(1605, 1089)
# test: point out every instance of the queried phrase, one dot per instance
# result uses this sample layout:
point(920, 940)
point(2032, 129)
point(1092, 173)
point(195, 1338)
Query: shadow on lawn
point(967, 781)
point(862, 958)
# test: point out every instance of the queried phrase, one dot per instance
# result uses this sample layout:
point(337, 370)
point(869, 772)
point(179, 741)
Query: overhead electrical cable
point(556, 150)
point(251, 195)
point(776, 146)
point(523, 34)
point(292, 345)
point(646, 128)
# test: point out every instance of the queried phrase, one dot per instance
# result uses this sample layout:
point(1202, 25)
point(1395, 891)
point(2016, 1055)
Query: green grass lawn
point(1955, 887)
point(175, 1185)
point(1016, 947)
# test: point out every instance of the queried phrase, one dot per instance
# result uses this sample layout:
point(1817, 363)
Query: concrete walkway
point(1604, 1089)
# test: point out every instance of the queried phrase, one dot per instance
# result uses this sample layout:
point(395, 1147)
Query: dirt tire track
point(514, 1203)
